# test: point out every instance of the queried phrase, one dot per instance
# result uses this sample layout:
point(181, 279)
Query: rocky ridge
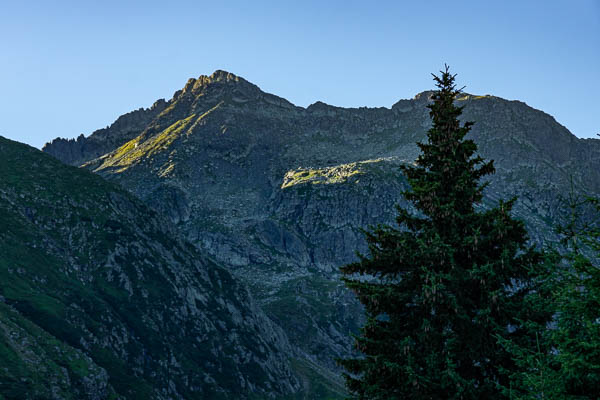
point(126, 127)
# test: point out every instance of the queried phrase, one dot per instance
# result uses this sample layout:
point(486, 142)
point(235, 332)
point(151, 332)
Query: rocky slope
point(278, 193)
point(126, 127)
point(101, 299)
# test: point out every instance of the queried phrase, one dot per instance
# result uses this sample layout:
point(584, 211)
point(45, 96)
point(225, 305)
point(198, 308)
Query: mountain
point(279, 193)
point(100, 298)
point(126, 127)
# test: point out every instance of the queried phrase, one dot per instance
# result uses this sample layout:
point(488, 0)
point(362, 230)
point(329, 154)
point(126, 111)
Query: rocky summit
point(279, 193)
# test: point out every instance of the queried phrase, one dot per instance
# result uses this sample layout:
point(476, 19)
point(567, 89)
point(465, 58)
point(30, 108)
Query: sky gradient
point(73, 67)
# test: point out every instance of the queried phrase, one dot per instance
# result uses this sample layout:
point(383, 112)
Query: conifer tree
point(536, 374)
point(576, 337)
point(441, 287)
point(566, 363)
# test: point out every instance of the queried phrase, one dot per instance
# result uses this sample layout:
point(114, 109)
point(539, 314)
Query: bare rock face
point(279, 193)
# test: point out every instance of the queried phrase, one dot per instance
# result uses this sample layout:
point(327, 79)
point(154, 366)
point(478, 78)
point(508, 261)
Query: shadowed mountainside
point(101, 299)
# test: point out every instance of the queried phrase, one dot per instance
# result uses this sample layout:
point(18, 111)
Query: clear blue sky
point(70, 67)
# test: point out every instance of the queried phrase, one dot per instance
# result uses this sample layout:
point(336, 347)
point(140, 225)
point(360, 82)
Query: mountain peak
point(221, 75)
point(218, 78)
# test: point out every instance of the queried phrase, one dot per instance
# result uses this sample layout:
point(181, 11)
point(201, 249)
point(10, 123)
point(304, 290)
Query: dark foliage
point(443, 288)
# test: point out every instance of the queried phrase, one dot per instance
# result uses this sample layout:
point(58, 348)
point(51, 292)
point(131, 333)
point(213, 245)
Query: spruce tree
point(447, 283)
point(566, 363)
point(576, 337)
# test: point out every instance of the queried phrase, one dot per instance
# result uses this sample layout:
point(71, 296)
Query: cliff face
point(100, 298)
point(278, 193)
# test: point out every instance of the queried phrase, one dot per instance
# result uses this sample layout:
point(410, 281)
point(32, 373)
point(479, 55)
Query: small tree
point(566, 364)
point(440, 289)
point(577, 293)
